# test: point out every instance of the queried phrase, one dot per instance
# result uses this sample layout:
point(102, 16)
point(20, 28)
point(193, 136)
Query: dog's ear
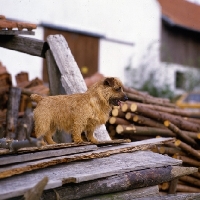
point(109, 82)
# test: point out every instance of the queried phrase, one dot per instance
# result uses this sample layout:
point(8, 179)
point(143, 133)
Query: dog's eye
point(118, 89)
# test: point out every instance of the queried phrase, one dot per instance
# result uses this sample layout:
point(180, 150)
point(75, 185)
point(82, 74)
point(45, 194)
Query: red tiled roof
point(182, 13)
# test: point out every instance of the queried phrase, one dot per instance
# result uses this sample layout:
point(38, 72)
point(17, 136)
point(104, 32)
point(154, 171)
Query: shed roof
point(181, 13)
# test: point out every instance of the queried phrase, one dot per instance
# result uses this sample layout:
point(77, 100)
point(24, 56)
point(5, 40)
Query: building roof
point(181, 13)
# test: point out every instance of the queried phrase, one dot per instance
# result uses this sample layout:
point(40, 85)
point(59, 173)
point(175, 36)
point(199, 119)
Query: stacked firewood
point(16, 105)
point(144, 116)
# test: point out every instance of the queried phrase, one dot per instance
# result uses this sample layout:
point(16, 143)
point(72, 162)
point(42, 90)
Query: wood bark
point(143, 120)
point(128, 194)
point(188, 149)
point(179, 133)
point(148, 100)
point(28, 120)
point(121, 182)
point(71, 77)
point(191, 180)
point(140, 130)
point(188, 160)
point(161, 116)
point(187, 189)
point(104, 152)
point(193, 196)
point(117, 120)
point(12, 112)
point(26, 45)
point(36, 192)
point(172, 186)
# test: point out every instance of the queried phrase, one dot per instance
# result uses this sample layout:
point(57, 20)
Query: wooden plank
point(45, 154)
point(129, 194)
point(71, 77)
point(24, 44)
point(16, 32)
point(193, 196)
point(56, 88)
point(11, 170)
point(121, 177)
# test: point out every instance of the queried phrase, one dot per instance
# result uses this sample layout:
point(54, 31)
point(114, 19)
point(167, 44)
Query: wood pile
point(15, 104)
point(144, 116)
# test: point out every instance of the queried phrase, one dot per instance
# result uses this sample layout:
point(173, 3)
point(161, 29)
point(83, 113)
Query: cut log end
point(135, 118)
point(124, 107)
point(119, 129)
point(177, 143)
point(115, 112)
point(133, 107)
point(128, 116)
point(112, 120)
point(166, 123)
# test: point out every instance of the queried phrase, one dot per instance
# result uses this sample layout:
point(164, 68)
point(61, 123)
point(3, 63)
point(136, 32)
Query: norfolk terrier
point(77, 113)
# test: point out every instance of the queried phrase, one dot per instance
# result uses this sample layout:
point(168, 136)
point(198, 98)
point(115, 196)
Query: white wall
point(129, 20)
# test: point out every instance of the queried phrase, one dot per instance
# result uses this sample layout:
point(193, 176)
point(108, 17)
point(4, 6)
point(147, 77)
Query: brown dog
point(77, 113)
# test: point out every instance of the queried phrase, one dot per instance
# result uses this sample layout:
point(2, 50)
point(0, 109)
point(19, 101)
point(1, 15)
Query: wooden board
point(11, 170)
point(16, 32)
point(27, 45)
point(84, 171)
point(5, 160)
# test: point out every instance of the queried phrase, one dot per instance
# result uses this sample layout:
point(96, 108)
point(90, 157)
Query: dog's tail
point(36, 97)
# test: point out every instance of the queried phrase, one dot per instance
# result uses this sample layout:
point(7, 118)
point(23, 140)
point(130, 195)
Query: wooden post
point(71, 77)
point(12, 112)
point(56, 88)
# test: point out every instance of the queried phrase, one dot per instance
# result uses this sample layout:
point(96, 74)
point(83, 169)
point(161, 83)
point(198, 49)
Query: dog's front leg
point(76, 134)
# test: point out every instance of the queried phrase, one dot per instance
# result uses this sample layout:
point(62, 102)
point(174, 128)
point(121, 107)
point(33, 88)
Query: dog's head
point(114, 91)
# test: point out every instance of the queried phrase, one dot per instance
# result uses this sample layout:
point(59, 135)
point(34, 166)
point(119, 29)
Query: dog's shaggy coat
point(77, 113)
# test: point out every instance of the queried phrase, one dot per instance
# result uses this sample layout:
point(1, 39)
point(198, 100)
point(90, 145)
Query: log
point(187, 148)
point(121, 182)
point(187, 160)
point(28, 120)
point(170, 150)
point(12, 112)
point(147, 131)
point(174, 111)
point(117, 120)
point(153, 101)
point(128, 195)
point(116, 112)
point(36, 191)
point(26, 45)
point(193, 196)
point(71, 78)
point(165, 186)
point(187, 189)
point(143, 120)
point(161, 116)
point(197, 175)
point(172, 186)
point(178, 132)
point(191, 180)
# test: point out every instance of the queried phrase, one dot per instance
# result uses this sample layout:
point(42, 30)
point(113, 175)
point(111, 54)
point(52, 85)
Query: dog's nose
point(125, 98)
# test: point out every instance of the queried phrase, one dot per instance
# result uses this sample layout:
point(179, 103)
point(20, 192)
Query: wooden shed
point(84, 46)
point(180, 32)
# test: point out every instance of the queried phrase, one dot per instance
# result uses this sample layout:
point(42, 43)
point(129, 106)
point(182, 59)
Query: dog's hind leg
point(48, 137)
point(90, 136)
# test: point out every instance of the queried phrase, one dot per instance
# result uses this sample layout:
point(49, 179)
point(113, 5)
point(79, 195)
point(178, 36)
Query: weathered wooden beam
point(12, 112)
point(11, 170)
point(121, 182)
point(27, 45)
point(45, 154)
point(71, 77)
point(193, 196)
point(128, 194)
